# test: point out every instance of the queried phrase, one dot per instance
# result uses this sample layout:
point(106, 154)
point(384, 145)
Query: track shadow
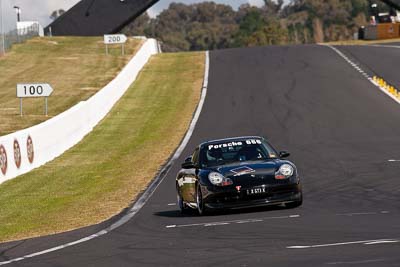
point(193, 213)
point(176, 213)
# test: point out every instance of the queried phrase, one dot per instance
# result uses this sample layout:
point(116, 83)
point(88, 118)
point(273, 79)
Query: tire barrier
point(37, 145)
point(17, 154)
point(3, 160)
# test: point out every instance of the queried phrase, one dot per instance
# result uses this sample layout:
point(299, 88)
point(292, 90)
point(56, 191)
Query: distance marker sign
point(34, 90)
point(115, 39)
point(27, 90)
point(111, 39)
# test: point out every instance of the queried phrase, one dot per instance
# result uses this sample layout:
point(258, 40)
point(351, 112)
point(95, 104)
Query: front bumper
point(221, 198)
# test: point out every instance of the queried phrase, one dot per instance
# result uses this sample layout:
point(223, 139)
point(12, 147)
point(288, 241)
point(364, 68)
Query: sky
point(40, 10)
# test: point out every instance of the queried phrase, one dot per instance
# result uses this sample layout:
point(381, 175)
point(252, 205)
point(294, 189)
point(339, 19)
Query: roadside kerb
point(378, 82)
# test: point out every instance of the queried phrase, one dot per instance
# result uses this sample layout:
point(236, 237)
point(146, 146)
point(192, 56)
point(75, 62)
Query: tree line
point(207, 25)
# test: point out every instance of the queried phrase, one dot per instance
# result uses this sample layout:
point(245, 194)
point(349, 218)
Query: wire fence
point(18, 36)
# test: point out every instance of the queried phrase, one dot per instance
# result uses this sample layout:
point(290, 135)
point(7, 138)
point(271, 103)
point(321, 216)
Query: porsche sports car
point(236, 173)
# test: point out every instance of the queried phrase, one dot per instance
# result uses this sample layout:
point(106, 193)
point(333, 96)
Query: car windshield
point(215, 154)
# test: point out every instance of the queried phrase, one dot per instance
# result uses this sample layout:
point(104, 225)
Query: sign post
point(30, 90)
point(45, 106)
point(110, 39)
point(3, 46)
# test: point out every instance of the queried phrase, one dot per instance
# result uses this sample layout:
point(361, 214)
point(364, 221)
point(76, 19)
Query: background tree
point(139, 27)
point(209, 25)
point(196, 27)
point(56, 13)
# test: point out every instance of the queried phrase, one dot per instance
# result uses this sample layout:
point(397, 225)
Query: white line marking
point(369, 78)
point(387, 46)
point(394, 160)
point(363, 213)
point(355, 262)
point(249, 221)
point(231, 222)
point(216, 224)
point(382, 242)
point(172, 204)
point(365, 242)
point(356, 214)
point(149, 191)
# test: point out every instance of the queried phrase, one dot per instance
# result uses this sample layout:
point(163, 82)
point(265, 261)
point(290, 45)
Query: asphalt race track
point(370, 59)
point(342, 132)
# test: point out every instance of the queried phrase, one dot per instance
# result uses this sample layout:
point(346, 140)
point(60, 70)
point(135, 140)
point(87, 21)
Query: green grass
point(363, 42)
point(76, 67)
point(102, 175)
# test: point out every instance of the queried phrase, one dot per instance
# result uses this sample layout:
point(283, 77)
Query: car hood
point(236, 170)
point(250, 174)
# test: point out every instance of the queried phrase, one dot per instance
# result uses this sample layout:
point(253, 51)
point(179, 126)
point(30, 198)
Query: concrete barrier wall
point(25, 150)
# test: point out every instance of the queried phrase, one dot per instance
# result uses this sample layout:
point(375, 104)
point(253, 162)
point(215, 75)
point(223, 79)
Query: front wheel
point(199, 201)
point(182, 206)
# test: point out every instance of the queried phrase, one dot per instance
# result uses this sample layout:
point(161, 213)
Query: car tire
point(201, 209)
point(182, 205)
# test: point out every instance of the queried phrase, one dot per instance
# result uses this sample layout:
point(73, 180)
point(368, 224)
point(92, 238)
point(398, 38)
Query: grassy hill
point(76, 67)
point(101, 175)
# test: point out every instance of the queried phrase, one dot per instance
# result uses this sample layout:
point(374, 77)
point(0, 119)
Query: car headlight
point(218, 179)
point(285, 171)
point(215, 178)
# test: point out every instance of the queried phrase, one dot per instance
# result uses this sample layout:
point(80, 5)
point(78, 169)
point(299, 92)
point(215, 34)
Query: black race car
point(235, 173)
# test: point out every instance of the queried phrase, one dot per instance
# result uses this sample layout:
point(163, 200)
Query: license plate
point(256, 191)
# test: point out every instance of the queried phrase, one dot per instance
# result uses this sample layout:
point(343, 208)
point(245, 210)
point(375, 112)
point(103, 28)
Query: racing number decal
point(3, 160)
point(17, 154)
point(30, 150)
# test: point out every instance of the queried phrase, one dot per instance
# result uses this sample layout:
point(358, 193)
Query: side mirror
point(188, 165)
point(188, 159)
point(284, 154)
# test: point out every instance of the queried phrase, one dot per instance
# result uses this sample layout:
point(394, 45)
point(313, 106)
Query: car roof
point(231, 139)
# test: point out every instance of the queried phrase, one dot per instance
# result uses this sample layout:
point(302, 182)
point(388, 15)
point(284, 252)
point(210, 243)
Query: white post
point(46, 107)
point(3, 46)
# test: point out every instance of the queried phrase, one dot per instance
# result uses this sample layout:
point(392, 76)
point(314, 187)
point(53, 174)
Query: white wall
point(53, 137)
point(24, 27)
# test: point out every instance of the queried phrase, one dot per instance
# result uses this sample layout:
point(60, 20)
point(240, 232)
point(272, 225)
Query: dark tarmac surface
point(379, 60)
point(342, 132)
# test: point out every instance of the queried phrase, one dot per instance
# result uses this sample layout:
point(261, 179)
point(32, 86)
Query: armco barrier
point(22, 151)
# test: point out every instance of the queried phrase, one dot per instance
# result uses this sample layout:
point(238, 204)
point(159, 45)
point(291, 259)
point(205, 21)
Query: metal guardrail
point(18, 36)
